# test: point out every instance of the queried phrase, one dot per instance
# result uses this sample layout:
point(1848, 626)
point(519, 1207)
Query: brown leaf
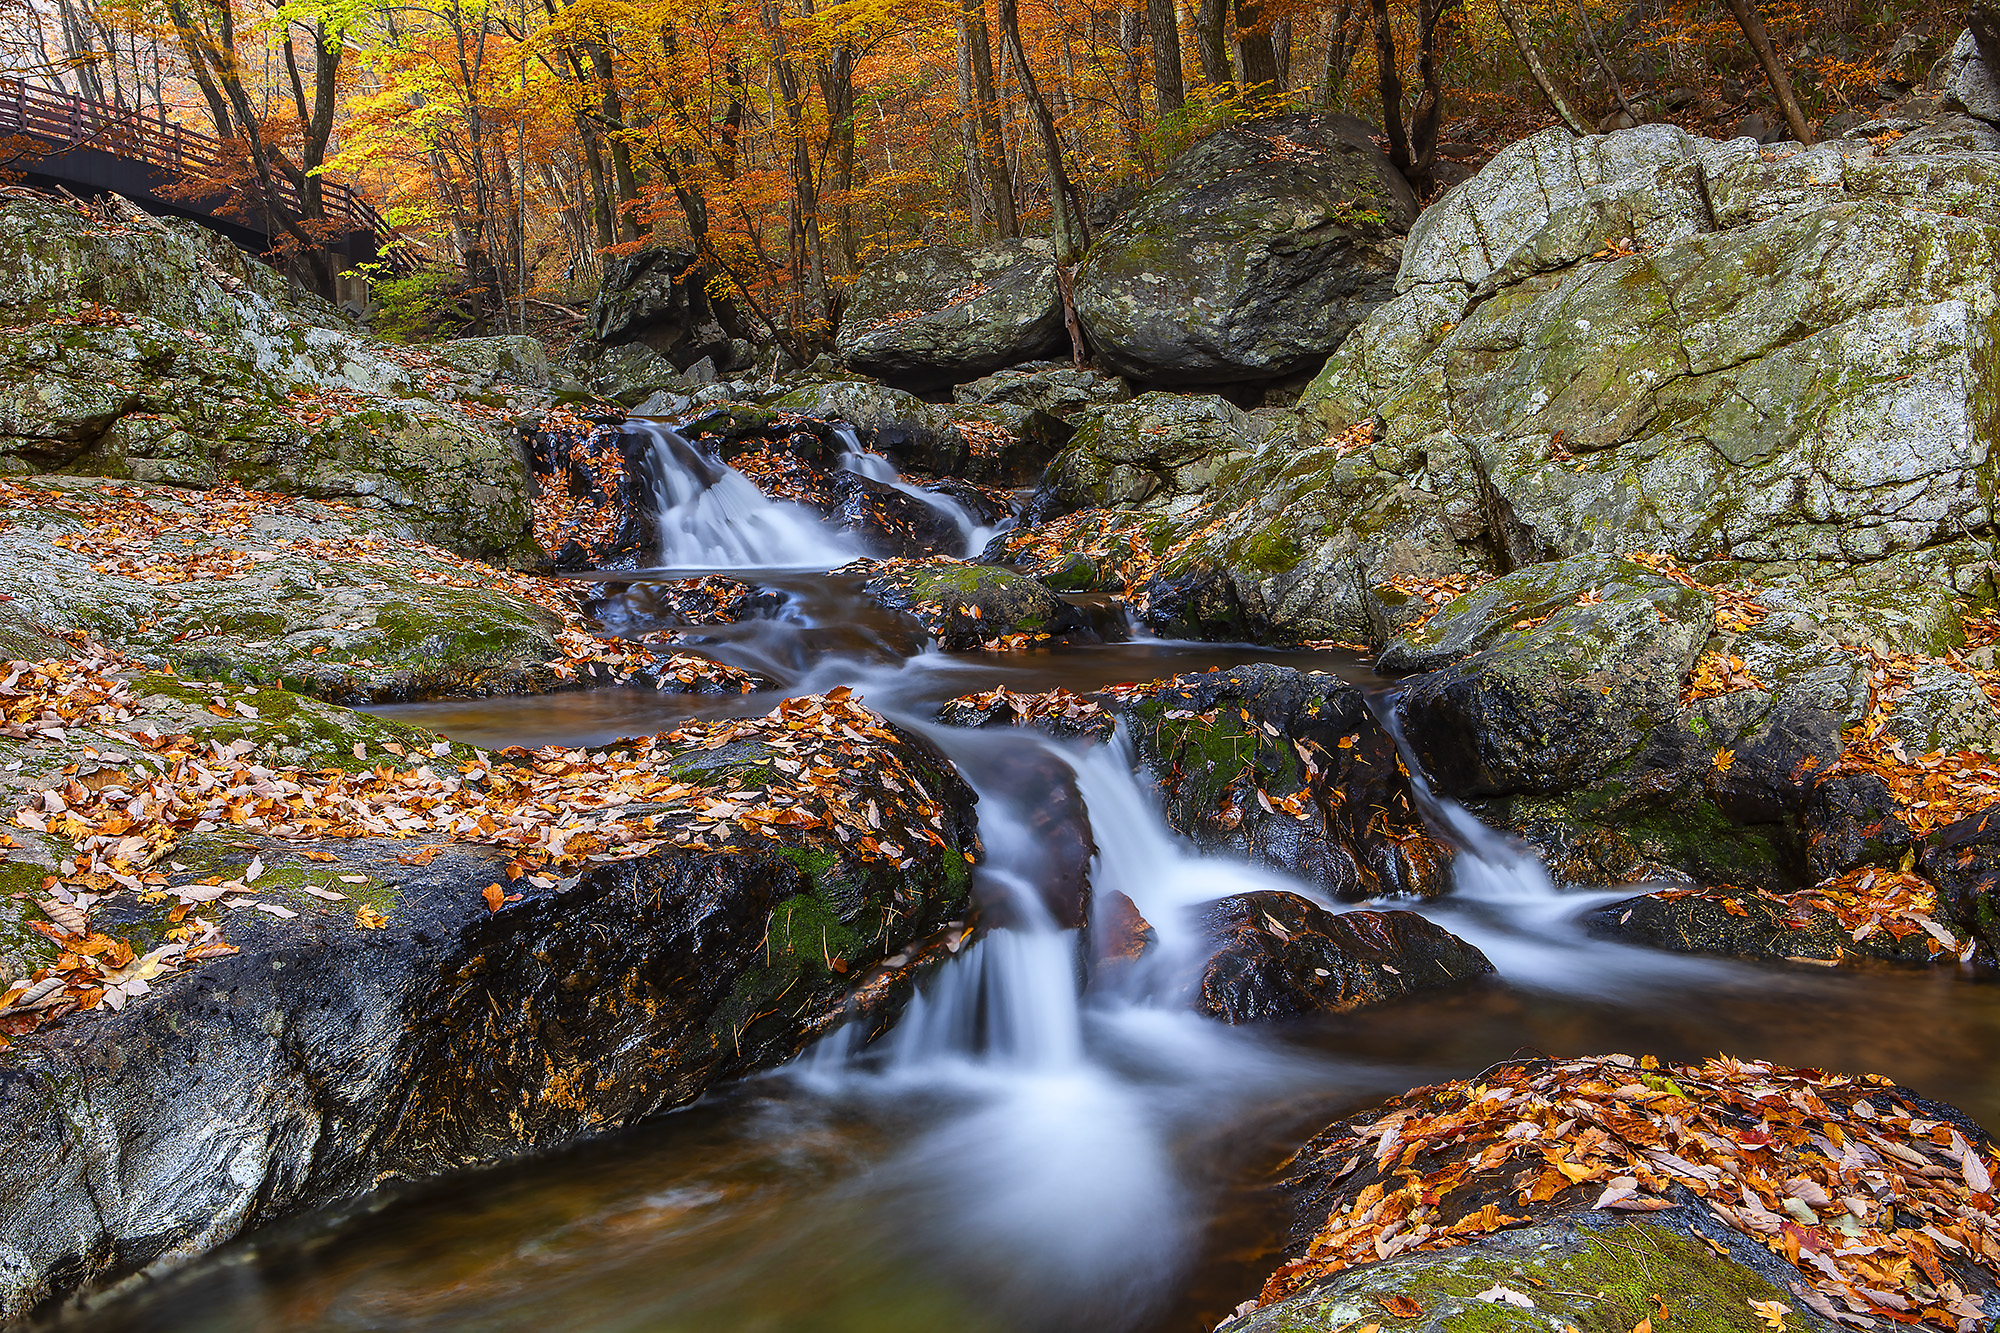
point(494, 895)
point(1401, 1306)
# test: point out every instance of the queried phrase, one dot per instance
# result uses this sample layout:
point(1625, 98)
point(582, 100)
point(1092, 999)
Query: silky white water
point(973, 536)
point(710, 517)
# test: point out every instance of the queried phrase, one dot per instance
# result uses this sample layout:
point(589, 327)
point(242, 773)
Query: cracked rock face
point(1778, 362)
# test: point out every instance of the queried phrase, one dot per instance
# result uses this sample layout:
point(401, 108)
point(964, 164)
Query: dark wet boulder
point(1742, 923)
point(409, 1016)
point(943, 314)
point(1118, 937)
point(1279, 956)
point(1963, 860)
point(1040, 790)
point(1286, 768)
point(963, 606)
point(1251, 258)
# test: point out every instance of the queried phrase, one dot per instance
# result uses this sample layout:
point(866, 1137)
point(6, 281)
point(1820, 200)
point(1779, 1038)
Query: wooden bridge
point(89, 149)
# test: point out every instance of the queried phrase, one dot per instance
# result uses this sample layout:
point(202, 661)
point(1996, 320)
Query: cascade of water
point(877, 468)
point(710, 517)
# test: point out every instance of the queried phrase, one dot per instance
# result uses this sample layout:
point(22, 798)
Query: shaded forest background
point(521, 145)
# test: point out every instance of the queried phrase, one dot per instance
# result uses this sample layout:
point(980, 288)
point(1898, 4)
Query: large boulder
point(1644, 341)
point(132, 349)
point(658, 298)
point(267, 589)
point(963, 606)
point(376, 1008)
point(944, 314)
point(1061, 391)
point(1251, 258)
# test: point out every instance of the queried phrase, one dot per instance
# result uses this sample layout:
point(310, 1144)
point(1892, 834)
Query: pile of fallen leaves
point(836, 768)
point(1353, 439)
point(588, 459)
point(1736, 609)
point(1117, 541)
point(1930, 790)
point(1049, 705)
point(1435, 592)
point(1717, 673)
point(1887, 1207)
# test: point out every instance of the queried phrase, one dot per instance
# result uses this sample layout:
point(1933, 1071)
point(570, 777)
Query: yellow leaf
point(1772, 1313)
point(368, 918)
point(1723, 759)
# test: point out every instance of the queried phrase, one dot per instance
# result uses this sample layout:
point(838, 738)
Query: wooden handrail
point(70, 122)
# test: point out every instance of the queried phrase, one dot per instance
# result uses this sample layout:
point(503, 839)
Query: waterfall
point(861, 462)
point(710, 517)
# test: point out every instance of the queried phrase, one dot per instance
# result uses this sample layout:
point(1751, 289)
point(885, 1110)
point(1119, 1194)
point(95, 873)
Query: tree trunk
point(1533, 59)
point(992, 143)
point(1211, 38)
point(1603, 65)
point(1260, 62)
point(1340, 47)
point(1132, 38)
point(1066, 231)
point(1390, 85)
point(1752, 23)
point(1169, 82)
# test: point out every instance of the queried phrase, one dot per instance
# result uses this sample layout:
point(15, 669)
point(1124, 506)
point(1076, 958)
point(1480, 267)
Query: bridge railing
point(67, 122)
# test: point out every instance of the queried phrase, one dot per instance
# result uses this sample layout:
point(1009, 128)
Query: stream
point(1015, 1155)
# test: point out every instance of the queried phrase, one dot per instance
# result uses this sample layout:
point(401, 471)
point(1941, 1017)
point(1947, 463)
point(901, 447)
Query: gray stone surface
point(949, 313)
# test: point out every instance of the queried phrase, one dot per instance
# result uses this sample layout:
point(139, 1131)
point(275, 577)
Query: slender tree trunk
point(1211, 37)
point(1169, 82)
point(1390, 84)
point(1066, 227)
point(1281, 52)
point(1603, 65)
point(992, 139)
point(1340, 47)
point(1752, 22)
point(836, 81)
point(1533, 59)
point(611, 109)
point(1132, 37)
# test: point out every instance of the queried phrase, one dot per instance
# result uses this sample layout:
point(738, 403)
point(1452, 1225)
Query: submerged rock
point(1278, 955)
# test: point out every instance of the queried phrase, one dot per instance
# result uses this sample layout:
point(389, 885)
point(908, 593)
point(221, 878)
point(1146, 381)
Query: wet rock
point(1576, 1271)
point(1119, 937)
point(1251, 257)
point(1062, 391)
point(1743, 924)
point(1279, 956)
point(200, 370)
point(1043, 789)
point(962, 606)
point(634, 375)
point(1287, 769)
point(943, 314)
point(1963, 860)
point(323, 1060)
point(1552, 678)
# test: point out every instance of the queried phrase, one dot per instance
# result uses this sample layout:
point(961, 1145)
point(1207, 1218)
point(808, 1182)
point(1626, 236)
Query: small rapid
point(1039, 1144)
point(973, 535)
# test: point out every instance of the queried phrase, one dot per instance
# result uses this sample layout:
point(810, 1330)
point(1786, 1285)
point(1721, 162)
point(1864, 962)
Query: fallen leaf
point(368, 918)
point(1497, 1294)
point(494, 896)
point(1401, 1306)
point(1772, 1313)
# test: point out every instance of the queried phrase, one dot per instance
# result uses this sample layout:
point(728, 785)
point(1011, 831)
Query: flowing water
point(1018, 1154)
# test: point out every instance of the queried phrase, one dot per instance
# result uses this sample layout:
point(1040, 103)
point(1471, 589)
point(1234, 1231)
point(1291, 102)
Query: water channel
point(1016, 1155)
